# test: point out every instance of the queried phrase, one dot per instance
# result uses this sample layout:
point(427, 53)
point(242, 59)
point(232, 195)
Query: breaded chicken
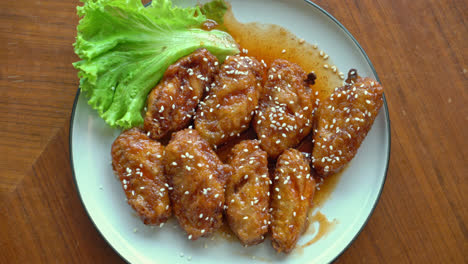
point(229, 106)
point(292, 194)
point(343, 122)
point(285, 112)
point(173, 102)
point(248, 193)
point(138, 162)
point(198, 179)
point(225, 152)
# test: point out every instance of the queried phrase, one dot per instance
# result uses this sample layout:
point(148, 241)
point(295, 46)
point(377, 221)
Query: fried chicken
point(229, 106)
point(247, 193)
point(292, 194)
point(343, 122)
point(198, 179)
point(172, 103)
point(138, 162)
point(285, 112)
point(225, 153)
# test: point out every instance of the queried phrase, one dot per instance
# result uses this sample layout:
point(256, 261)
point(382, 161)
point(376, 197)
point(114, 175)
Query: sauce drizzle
point(269, 42)
point(320, 225)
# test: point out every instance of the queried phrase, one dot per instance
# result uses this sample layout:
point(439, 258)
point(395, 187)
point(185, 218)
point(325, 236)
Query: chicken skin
point(138, 162)
point(173, 102)
point(229, 106)
point(344, 119)
point(292, 194)
point(285, 112)
point(197, 177)
point(247, 193)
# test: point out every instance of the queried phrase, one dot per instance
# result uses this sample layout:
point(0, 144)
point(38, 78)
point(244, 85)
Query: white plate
point(351, 203)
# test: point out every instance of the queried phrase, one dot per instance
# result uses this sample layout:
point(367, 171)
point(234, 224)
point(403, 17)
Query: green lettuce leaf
point(125, 48)
point(215, 10)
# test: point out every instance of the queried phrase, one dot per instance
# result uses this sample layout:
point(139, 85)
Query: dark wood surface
point(419, 49)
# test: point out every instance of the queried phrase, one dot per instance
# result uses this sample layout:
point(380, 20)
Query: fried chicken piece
point(225, 153)
point(138, 162)
point(293, 191)
point(229, 106)
point(343, 122)
point(197, 177)
point(172, 103)
point(285, 112)
point(247, 193)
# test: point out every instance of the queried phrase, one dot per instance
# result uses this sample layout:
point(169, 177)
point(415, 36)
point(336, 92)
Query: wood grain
point(419, 49)
point(37, 80)
point(43, 219)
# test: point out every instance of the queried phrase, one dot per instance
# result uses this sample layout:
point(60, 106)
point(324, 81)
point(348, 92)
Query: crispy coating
point(229, 106)
point(247, 193)
point(292, 194)
point(343, 122)
point(285, 112)
point(225, 153)
point(172, 103)
point(138, 162)
point(197, 177)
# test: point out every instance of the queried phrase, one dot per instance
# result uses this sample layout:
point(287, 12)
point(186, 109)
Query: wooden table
point(419, 48)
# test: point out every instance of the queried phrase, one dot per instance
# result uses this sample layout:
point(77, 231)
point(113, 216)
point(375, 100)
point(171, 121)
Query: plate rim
point(386, 112)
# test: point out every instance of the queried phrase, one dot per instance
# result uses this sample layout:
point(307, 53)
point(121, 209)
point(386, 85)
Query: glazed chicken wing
point(198, 178)
point(247, 193)
point(285, 113)
point(172, 103)
point(292, 194)
point(343, 122)
point(229, 106)
point(138, 162)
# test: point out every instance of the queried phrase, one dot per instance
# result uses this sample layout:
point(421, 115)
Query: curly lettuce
point(125, 48)
point(215, 10)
